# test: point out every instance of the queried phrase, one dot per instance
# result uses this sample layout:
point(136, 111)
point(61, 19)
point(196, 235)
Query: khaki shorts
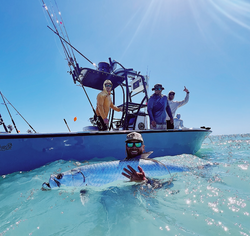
point(160, 127)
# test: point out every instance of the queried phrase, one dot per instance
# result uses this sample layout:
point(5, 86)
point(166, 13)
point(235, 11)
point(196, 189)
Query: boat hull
point(24, 152)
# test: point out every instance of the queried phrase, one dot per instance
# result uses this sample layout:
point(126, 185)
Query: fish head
point(70, 178)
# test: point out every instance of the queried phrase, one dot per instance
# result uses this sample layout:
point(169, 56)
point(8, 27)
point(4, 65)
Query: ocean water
point(214, 201)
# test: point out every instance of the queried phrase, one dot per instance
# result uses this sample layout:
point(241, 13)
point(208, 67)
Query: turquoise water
point(203, 202)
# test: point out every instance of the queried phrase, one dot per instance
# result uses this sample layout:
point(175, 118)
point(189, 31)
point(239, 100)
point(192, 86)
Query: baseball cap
point(134, 136)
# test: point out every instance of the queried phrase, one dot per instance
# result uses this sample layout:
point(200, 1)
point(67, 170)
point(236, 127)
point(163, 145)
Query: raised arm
point(186, 99)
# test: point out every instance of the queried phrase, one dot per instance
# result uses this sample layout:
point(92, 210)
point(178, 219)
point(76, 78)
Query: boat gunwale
point(91, 133)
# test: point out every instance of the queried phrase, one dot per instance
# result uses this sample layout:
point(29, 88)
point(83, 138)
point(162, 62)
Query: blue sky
point(203, 45)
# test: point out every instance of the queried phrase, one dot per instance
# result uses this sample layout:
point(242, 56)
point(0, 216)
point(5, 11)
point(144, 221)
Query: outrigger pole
point(71, 45)
point(76, 72)
point(99, 121)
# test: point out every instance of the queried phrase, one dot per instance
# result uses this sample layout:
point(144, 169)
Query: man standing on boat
point(158, 108)
point(104, 103)
point(174, 105)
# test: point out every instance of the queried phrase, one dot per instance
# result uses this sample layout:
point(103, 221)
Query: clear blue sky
point(203, 45)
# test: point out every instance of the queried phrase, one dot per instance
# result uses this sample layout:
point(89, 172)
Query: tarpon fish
point(107, 172)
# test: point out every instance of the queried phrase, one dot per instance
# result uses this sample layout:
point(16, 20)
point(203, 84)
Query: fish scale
point(107, 172)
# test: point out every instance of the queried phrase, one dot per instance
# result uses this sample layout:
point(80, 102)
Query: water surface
point(202, 202)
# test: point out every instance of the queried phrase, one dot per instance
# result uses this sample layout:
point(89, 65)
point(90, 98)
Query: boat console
point(134, 115)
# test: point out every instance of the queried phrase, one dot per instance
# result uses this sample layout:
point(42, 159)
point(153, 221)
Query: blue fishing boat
point(24, 152)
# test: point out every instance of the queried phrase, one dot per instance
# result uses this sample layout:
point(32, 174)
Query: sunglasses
point(108, 85)
point(172, 94)
point(158, 89)
point(130, 145)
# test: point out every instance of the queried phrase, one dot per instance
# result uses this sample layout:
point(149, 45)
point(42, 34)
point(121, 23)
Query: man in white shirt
point(174, 105)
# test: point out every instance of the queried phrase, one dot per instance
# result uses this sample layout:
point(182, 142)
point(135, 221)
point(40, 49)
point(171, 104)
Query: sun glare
point(149, 16)
point(236, 11)
point(158, 16)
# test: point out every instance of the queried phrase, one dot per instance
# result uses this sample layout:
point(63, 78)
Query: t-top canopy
point(95, 79)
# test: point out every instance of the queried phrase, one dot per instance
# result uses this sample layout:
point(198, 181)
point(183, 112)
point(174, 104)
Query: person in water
point(104, 103)
point(158, 108)
point(174, 105)
point(135, 148)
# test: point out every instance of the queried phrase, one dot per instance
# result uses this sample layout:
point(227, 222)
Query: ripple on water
point(211, 201)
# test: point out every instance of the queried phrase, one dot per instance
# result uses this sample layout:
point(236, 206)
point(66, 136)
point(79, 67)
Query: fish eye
point(59, 176)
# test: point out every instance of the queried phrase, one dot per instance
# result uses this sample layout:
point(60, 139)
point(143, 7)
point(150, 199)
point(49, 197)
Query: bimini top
point(95, 79)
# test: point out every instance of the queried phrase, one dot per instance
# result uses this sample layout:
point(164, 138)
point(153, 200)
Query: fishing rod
point(2, 123)
point(71, 46)
point(76, 72)
point(9, 113)
point(64, 28)
point(98, 119)
point(68, 57)
point(59, 23)
point(19, 113)
point(67, 125)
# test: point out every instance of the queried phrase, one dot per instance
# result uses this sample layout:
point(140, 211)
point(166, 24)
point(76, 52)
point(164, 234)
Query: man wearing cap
point(174, 105)
point(135, 146)
point(104, 103)
point(135, 149)
point(158, 108)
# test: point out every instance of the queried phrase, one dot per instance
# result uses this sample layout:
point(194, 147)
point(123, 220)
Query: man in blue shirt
point(158, 108)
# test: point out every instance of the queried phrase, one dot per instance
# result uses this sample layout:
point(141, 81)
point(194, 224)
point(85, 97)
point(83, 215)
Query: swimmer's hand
point(133, 175)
